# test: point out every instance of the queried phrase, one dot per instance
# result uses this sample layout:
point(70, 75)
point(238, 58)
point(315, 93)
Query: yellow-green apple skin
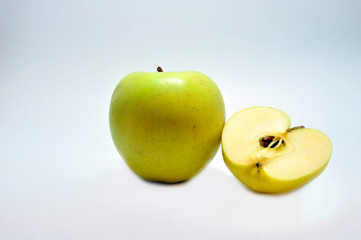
point(167, 126)
point(299, 156)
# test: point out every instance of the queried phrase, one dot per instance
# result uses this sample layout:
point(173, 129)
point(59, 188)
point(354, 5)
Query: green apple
point(167, 125)
point(265, 154)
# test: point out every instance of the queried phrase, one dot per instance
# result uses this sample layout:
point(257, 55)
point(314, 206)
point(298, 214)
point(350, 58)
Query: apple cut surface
point(263, 152)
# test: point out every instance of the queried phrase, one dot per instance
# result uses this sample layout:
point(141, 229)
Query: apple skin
point(167, 125)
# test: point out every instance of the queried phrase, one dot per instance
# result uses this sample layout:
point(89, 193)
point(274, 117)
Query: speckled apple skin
point(167, 125)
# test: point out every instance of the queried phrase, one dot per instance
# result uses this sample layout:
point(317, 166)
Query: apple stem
point(159, 69)
point(294, 128)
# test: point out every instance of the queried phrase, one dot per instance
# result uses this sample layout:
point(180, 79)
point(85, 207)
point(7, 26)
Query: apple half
point(265, 154)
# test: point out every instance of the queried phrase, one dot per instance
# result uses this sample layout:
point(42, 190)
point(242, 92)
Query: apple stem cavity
point(159, 69)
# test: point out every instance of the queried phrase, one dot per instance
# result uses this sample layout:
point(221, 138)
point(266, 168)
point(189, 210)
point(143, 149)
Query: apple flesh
point(167, 125)
point(266, 155)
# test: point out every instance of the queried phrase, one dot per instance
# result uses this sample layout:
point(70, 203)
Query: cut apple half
point(265, 154)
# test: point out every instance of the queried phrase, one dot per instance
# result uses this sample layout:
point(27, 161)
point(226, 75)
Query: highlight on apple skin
point(167, 126)
point(265, 154)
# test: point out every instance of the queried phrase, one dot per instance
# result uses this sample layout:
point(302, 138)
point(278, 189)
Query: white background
point(60, 174)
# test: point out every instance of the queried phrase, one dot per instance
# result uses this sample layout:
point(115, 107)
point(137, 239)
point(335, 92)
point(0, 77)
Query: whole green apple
point(167, 125)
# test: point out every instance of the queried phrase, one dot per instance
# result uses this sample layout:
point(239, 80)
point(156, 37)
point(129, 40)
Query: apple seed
point(266, 141)
point(271, 142)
